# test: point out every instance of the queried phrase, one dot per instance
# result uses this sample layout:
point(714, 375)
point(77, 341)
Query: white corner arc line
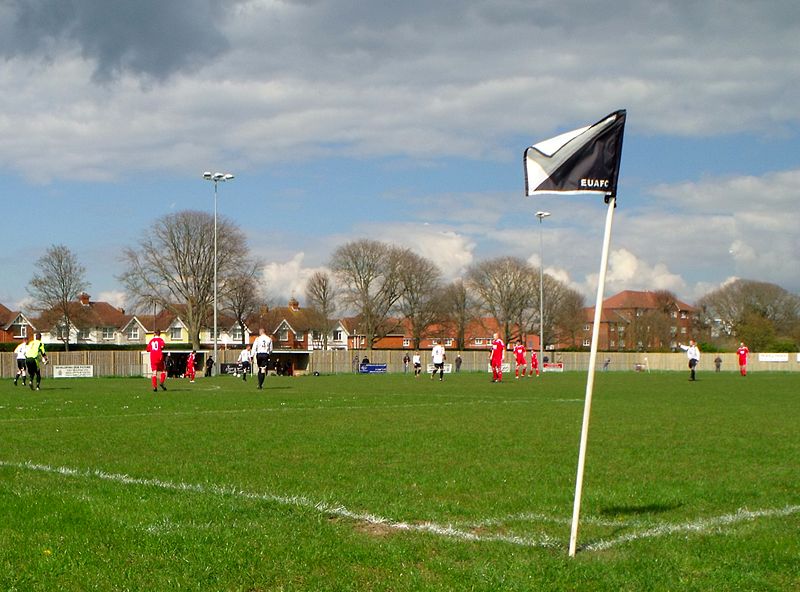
point(698, 526)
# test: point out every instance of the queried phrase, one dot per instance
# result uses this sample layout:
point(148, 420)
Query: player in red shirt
point(534, 363)
point(742, 353)
point(496, 359)
point(156, 349)
point(190, 367)
point(519, 354)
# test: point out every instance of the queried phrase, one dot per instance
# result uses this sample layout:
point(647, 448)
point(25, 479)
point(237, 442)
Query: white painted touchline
point(297, 501)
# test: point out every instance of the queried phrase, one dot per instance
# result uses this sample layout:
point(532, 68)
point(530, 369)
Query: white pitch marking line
point(537, 517)
point(698, 526)
point(447, 531)
point(283, 408)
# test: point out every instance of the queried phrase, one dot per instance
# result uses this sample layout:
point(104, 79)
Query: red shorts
point(521, 362)
point(496, 362)
point(157, 364)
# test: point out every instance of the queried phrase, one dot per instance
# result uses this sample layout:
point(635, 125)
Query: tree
point(239, 294)
point(458, 308)
point(563, 311)
point(419, 303)
point(735, 306)
point(55, 288)
point(369, 273)
point(505, 288)
point(174, 266)
point(321, 297)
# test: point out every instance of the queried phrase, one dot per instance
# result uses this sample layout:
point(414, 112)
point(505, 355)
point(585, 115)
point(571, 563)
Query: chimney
point(84, 298)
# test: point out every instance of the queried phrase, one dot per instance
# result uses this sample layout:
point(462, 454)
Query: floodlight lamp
point(227, 177)
point(218, 177)
point(541, 215)
point(207, 175)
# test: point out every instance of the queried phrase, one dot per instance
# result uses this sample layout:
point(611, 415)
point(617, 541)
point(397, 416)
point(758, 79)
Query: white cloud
point(113, 297)
point(451, 251)
point(626, 271)
point(283, 280)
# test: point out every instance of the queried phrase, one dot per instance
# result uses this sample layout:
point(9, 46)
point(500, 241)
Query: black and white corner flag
point(585, 160)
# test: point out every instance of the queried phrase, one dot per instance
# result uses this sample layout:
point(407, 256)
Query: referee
point(34, 355)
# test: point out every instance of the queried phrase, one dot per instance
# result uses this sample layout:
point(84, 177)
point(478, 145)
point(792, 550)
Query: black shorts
point(439, 366)
point(262, 360)
point(20, 363)
point(692, 363)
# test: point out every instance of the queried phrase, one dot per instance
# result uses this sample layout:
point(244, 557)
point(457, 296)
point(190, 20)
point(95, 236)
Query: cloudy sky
point(405, 122)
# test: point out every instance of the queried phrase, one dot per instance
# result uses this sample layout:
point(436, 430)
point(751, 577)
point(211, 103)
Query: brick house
point(633, 320)
point(14, 325)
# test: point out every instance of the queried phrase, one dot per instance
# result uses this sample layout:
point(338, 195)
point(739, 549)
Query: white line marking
point(538, 517)
point(447, 531)
point(283, 408)
point(700, 526)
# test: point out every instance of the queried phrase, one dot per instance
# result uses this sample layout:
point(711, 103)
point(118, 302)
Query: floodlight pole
point(216, 178)
point(541, 216)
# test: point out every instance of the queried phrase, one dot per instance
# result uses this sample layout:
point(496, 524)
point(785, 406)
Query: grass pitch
point(395, 483)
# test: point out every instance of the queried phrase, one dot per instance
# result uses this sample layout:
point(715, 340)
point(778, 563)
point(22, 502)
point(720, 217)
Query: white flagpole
point(587, 405)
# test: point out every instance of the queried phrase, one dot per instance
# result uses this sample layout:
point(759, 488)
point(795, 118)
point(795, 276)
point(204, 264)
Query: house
point(90, 322)
point(14, 325)
point(640, 320)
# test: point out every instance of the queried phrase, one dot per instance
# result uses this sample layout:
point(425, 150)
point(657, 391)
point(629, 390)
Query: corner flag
point(585, 160)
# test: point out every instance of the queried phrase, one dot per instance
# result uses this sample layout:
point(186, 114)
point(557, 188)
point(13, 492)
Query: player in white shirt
point(417, 361)
point(244, 362)
point(20, 355)
point(262, 348)
point(438, 355)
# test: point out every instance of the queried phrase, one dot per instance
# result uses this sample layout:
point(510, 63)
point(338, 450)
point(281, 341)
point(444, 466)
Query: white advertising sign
point(75, 371)
point(773, 357)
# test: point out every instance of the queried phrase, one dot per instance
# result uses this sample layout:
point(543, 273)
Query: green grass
point(306, 485)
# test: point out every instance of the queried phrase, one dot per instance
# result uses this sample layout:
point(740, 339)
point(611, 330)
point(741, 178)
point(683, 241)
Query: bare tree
point(174, 266)
point(369, 273)
point(239, 294)
point(458, 309)
point(505, 288)
point(737, 307)
point(321, 297)
point(564, 305)
point(55, 288)
point(419, 302)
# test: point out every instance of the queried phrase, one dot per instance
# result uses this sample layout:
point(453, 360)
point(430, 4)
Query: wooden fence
point(133, 363)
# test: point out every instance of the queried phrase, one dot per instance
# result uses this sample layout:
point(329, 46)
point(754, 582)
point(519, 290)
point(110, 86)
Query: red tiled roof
point(633, 299)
